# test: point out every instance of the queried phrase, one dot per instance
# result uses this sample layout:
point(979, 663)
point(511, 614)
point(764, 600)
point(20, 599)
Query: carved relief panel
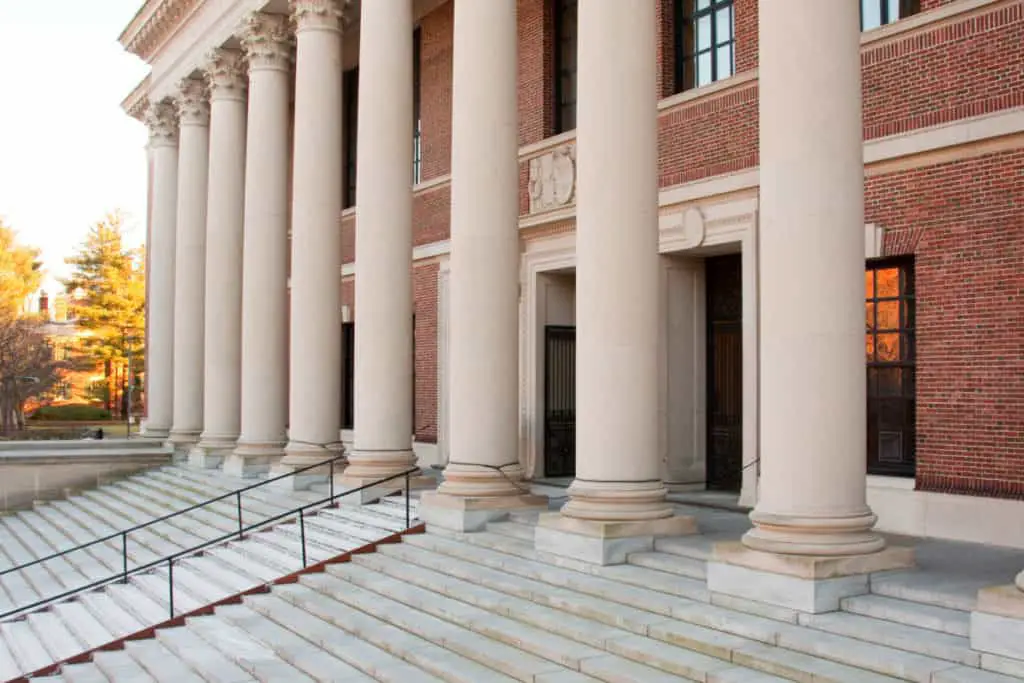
point(553, 179)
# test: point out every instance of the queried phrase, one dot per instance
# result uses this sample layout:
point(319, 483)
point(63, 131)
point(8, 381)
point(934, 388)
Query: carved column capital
point(226, 74)
point(193, 103)
point(267, 41)
point(162, 121)
point(332, 15)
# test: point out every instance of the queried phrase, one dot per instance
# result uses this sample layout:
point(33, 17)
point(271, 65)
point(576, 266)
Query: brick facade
point(955, 216)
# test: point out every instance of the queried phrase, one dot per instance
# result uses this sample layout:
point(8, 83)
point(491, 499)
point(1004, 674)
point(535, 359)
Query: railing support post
point(302, 535)
point(332, 482)
point(407, 518)
point(124, 557)
point(170, 584)
point(238, 497)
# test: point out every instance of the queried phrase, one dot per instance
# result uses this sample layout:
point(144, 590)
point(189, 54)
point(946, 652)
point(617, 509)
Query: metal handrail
point(237, 493)
point(169, 560)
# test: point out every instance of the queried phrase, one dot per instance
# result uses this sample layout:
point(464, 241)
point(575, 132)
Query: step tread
point(84, 673)
point(119, 666)
point(245, 651)
point(932, 617)
point(162, 664)
point(54, 634)
point(671, 564)
point(202, 657)
point(86, 627)
point(23, 644)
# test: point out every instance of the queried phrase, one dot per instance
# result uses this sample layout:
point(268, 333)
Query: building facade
point(508, 276)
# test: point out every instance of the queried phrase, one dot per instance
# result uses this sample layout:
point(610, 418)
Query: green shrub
point(72, 412)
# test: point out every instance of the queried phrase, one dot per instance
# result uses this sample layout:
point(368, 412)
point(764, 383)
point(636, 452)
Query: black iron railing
point(169, 560)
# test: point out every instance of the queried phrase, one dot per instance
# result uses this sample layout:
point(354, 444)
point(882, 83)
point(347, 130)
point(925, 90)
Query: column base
point(153, 432)
point(252, 459)
point(375, 493)
point(182, 441)
point(806, 583)
point(997, 622)
point(466, 513)
point(299, 455)
point(211, 450)
point(605, 542)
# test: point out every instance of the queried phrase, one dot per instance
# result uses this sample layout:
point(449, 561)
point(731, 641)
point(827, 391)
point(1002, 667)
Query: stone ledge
point(604, 543)
point(813, 567)
point(467, 513)
point(1005, 601)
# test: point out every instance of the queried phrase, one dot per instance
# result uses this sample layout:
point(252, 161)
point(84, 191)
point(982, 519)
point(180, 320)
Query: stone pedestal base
point(299, 456)
point(806, 583)
point(182, 441)
point(375, 493)
point(605, 543)
point(465, 513)
point(253, 459)
point(148, 431)
point(210, 452)
point(997, 623)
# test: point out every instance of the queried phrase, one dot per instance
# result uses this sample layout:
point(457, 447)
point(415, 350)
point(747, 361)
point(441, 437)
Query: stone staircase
point(38, 638)
point(475, 608)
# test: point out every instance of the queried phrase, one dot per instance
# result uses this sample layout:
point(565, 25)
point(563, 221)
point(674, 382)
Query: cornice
point(153, 24)
point(137, 101)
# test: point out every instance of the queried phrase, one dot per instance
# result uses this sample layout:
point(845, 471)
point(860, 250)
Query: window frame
point(905, 8)
point(560, 106)
point(685, 74)
point(417, 120)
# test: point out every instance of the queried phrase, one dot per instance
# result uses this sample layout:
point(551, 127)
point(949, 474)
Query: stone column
point(617, 502)
point(267, 44)
point(190, 263)
point(163, 144)
point(315, 408)
point(483, 479)
point(227, 81)
point(812, 507)
point(383, 353)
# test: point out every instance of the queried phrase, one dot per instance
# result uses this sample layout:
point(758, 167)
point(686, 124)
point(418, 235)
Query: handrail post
point(124, 557)
point(170, 584)
point(238, 497)
point(407, 519)
point(302, 535)
point(332, 481)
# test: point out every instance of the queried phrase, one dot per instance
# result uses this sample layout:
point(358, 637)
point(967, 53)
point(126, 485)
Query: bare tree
point(28, 368)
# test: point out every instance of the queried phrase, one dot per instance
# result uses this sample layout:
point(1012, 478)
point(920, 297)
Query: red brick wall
point(536, 70)
point(436, 90)
point(745, 20)
point(424, 279)
point(963, 221)
point(966, 68)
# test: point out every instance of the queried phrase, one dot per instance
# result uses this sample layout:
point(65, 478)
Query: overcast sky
point(68, 154)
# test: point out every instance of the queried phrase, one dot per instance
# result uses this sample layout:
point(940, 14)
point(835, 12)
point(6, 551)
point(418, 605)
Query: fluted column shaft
point(617, 463)
point(484, 284)
point(315, 397)
point(227, 81)
point(163, 142)
point(383, 340)
point(812, 490)
point(265, 252)
point(190, 263)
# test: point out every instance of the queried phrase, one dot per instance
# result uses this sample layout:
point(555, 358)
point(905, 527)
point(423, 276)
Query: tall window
point(891, 373)
point(350, 88)
point(705, 41)
point(348, 374)
point(875, 13)
point(417, 124)
point(566, 32)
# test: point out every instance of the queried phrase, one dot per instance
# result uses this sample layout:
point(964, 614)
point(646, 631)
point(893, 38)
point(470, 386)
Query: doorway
point(724, 291)
point(559, 401)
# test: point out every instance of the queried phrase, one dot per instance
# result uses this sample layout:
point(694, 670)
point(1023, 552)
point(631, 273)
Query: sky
point(68, 153)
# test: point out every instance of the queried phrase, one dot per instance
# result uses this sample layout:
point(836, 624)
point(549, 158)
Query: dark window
point(348, 374)
point(875, 13)
point(350, 87)
point(891, 373)
point(417, 124)
point(704, 42)
point(566, 33)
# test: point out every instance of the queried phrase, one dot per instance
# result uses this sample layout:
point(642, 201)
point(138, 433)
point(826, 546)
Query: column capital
point(267, 41)
point(331, 15)
point(226, 75)
point(162, 121)
point(193, 103)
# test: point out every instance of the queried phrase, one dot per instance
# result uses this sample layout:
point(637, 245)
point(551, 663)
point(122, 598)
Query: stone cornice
point(137, 101)
point(153, 24)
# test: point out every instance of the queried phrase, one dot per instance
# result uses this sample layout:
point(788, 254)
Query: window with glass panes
point(565, 13)
point(350, 89)
point(417, 124)
point(875, 13)
point(705, 42)
point(889, 347)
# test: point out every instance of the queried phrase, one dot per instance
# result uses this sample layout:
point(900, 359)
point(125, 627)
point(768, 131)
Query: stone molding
point(162, 121)
point(267, 41)
point(193, 103)
point(322, 15)
point(552, 181)
point(226, 74)
point(153, 24)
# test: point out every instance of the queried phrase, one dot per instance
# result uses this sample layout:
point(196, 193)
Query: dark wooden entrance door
point(724, 287)
point(559, 401)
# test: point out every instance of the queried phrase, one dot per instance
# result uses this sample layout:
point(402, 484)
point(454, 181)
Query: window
point(348, 374)
point(704, 42)
point(891, 373)
point(875, 13)
point(417, 124)
point(350, 88)
point(565, 25)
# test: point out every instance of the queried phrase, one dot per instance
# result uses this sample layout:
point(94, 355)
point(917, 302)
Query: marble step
point(85, 673)
point(941, 619)
point(202, 657)
point(119, 666)
point(53, 632)
point(24, 646)
point(245, 651)
point(513, 529)
point(160, 663)
point(672, 564)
